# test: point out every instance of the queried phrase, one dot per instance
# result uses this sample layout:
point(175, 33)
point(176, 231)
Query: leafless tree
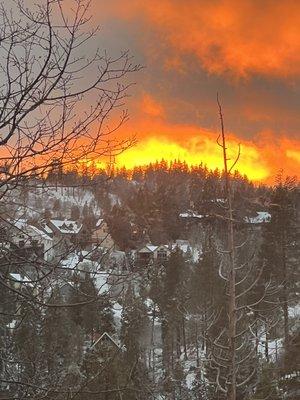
point(233, 350)
point(55, 100)
point(59, 104)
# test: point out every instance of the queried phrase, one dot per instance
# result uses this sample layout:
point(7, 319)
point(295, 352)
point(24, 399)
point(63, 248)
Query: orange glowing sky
point(247, 50)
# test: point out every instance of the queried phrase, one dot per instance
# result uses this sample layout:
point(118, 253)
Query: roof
point(261, 217)
point(32, 231)
point(191, 214)
point(183, 245)
point(106, 336)
point(46, 228)
point(74, 261)
point(20, 279)
point(40, 233)
point(66, 226)
point(99, 222)
point(149, 248)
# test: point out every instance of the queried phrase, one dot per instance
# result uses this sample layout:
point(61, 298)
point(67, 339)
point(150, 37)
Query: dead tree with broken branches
point(233, 356)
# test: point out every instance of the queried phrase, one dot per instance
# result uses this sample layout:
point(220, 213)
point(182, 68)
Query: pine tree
point(170, 300)
point(134, 336)
point(57, 205)
point(207, 293)
point(27, 342)
point(89, 312)
point(280, 249)
point(267, 386)
point(75, 213)
point(56, 329)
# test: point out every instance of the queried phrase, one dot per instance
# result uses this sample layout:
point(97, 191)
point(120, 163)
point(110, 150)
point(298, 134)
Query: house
point(30, 239)
point(77, 263)
point(106, 340)
point(65, 228)
point(66, 289)
point(101, 236)
point(151, 252)
point(18, 281)
point(162, 252)
point(261, 217)
point(46, 241)
point(66, 234)
point(192, 215)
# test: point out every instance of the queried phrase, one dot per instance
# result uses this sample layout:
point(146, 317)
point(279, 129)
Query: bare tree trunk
point(231, 392)
point(267, 343)
point(178, 341)
point(197, 345)
point(256, 337)
point(172, 352)
point(152, 344)
point(184, 338)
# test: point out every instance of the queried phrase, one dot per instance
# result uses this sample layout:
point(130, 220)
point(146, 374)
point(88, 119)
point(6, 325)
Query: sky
point(248, 51)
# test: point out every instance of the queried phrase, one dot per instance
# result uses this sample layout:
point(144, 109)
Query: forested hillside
point(146, 318)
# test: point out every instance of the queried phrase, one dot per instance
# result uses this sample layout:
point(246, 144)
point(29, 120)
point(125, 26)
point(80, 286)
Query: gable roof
point(147, 249)
point(106, 336)
point(17, 278)
point(31, 231)
point(66, 226)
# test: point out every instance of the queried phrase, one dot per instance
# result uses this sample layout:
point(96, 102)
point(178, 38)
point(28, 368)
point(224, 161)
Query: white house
point(24, 234)
point(162, 252)
point(66, 233)
point(261, 217)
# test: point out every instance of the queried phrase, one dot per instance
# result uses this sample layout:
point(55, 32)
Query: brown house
point(101, 236)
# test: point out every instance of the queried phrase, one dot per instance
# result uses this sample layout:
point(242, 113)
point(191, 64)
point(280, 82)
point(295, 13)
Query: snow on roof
point(191, 214)
point(99, 222)
point(219, 200)
point(183, 247)
point(32, 231)
point(20, 279)
point(149, 248)
point(117, 310)
point(101, 282)
point(40, 233)
point(46, 228)
point(75, 261)
point(152, 247)
point(118, 255)
point(106, 336)
point(71, 262)
point(12, 324)
point(19, 223)
point(66, 226)
point(261, 217)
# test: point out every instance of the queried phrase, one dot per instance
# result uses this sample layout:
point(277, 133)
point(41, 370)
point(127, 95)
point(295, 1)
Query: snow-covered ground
point(35, 201)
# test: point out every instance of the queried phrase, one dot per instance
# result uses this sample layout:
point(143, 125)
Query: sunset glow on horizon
point(192, 153)
point(260, 161)
point(248, 51)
